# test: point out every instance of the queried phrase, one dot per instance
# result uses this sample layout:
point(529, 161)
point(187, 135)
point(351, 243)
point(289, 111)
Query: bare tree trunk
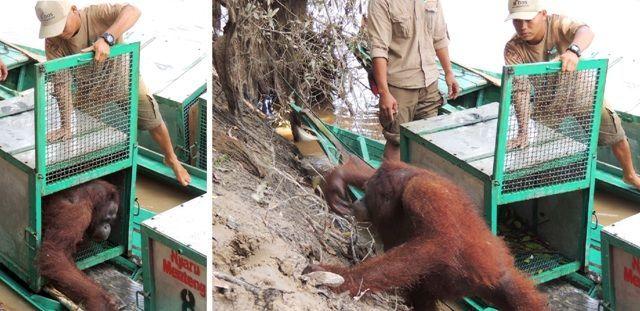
point(223, 48)
point(291, 10)
point(217, 15)
point(266, 52)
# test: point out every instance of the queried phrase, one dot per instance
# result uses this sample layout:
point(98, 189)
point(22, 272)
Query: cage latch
point(595, 215)
point(137, 203)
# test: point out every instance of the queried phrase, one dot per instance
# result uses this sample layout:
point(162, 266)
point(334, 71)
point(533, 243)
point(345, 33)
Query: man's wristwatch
point(108, 38)
point(575, 49)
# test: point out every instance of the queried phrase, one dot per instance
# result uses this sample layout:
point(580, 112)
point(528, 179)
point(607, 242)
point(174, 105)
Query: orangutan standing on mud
point(437, 247)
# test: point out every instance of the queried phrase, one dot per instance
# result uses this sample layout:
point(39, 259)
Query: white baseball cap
point(52, 16)
point(524, 9)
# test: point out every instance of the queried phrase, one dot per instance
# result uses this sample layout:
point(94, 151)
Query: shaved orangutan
point(70, 218)
point(437, 246)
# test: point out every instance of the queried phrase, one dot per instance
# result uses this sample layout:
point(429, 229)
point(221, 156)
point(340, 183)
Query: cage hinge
point(510, 71)
point(495, 182)
point(40, 176)
point(193, 148)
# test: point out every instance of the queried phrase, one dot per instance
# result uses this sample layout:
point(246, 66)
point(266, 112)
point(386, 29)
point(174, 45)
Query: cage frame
point(492, 182)
point(37, 188)
point(41, 118)
point(150, 235)
point(175, 114)
point(609, 242)
point(509, 73)
point(176, 117)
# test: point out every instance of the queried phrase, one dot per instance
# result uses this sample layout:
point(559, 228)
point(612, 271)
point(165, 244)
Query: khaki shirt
point(407, 33)
point(560, 33)
point(95, 20)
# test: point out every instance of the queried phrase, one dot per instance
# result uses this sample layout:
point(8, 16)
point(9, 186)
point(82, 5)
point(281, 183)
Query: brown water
point(157, 196)
point(152, 195)
point(364, 123)
point(610, 208)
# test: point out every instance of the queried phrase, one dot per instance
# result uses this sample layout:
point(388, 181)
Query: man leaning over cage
point(542, 37)
point(68, 30)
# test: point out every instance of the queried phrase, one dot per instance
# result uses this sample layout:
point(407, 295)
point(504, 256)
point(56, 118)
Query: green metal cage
point(174, 255)
point(100, 125)
point(176, 115)
point(186, 123)
point(621, 264)
point(564, 109)
point(95, 105)
point(538, 194)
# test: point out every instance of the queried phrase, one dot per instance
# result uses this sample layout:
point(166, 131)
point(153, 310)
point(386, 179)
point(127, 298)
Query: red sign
point(182, 269)
point(632, 274)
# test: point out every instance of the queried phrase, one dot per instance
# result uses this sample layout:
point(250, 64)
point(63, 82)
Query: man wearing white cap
point(68, 30)
point(542, 37)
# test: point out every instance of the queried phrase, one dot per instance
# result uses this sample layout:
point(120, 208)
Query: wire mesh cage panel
point(93, 249)
point(180, 115)
point(550, 128)
point(89, 112)
point(202, 139)
point(188, 127)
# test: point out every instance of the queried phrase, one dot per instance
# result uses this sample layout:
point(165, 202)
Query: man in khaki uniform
point(542, 37)
point(406, 36)
point(3, 71)
point(69, 30)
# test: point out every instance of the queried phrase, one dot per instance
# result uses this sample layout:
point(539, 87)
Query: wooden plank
point(493, 80)
point(456, 119)
point(33, 56)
